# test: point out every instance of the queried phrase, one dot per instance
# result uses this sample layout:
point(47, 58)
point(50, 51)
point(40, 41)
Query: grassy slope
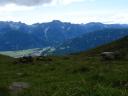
point(79, 75)
point(119, 45)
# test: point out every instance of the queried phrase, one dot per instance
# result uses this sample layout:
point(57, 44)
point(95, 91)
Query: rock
point(24, 60)
point(112, 55)
point(107, 55)
point(18, 86)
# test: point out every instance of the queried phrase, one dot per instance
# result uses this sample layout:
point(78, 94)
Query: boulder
point(24, 60)
point(112, 55)
point(108, 55)
point(18, 86)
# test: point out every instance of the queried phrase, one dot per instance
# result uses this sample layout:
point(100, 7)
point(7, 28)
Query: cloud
point(66, 2)
point(37, 2)
point(25, 2)
point(62, 2)
point(14, 8)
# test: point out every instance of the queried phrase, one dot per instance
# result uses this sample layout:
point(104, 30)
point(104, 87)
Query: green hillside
point(119, 45)
point(84, 74)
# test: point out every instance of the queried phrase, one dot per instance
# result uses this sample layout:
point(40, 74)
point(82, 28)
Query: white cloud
point(63, 2)
point(38, 2)
point(66, 2)
point(108, 19)
point(14, 8)
point(24, 2)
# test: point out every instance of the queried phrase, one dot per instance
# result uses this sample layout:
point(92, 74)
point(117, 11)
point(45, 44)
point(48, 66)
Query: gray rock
point(108, 55)
point(113, 55)
point(18, 86)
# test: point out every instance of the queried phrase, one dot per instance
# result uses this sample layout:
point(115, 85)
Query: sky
point(74, 11)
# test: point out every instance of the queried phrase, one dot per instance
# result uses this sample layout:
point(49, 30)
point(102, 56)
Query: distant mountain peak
point(94, 23)
point(56, 21)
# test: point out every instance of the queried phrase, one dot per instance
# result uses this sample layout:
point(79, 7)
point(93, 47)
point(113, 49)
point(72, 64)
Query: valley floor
point(65, 76)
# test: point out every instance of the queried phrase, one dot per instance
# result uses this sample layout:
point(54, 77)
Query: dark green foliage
point(80, 70)
point(43, 58)
point(121, 84)
point(4, 91)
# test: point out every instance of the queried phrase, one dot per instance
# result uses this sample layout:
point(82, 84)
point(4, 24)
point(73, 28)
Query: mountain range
point(91, 40)
point(65, 37)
